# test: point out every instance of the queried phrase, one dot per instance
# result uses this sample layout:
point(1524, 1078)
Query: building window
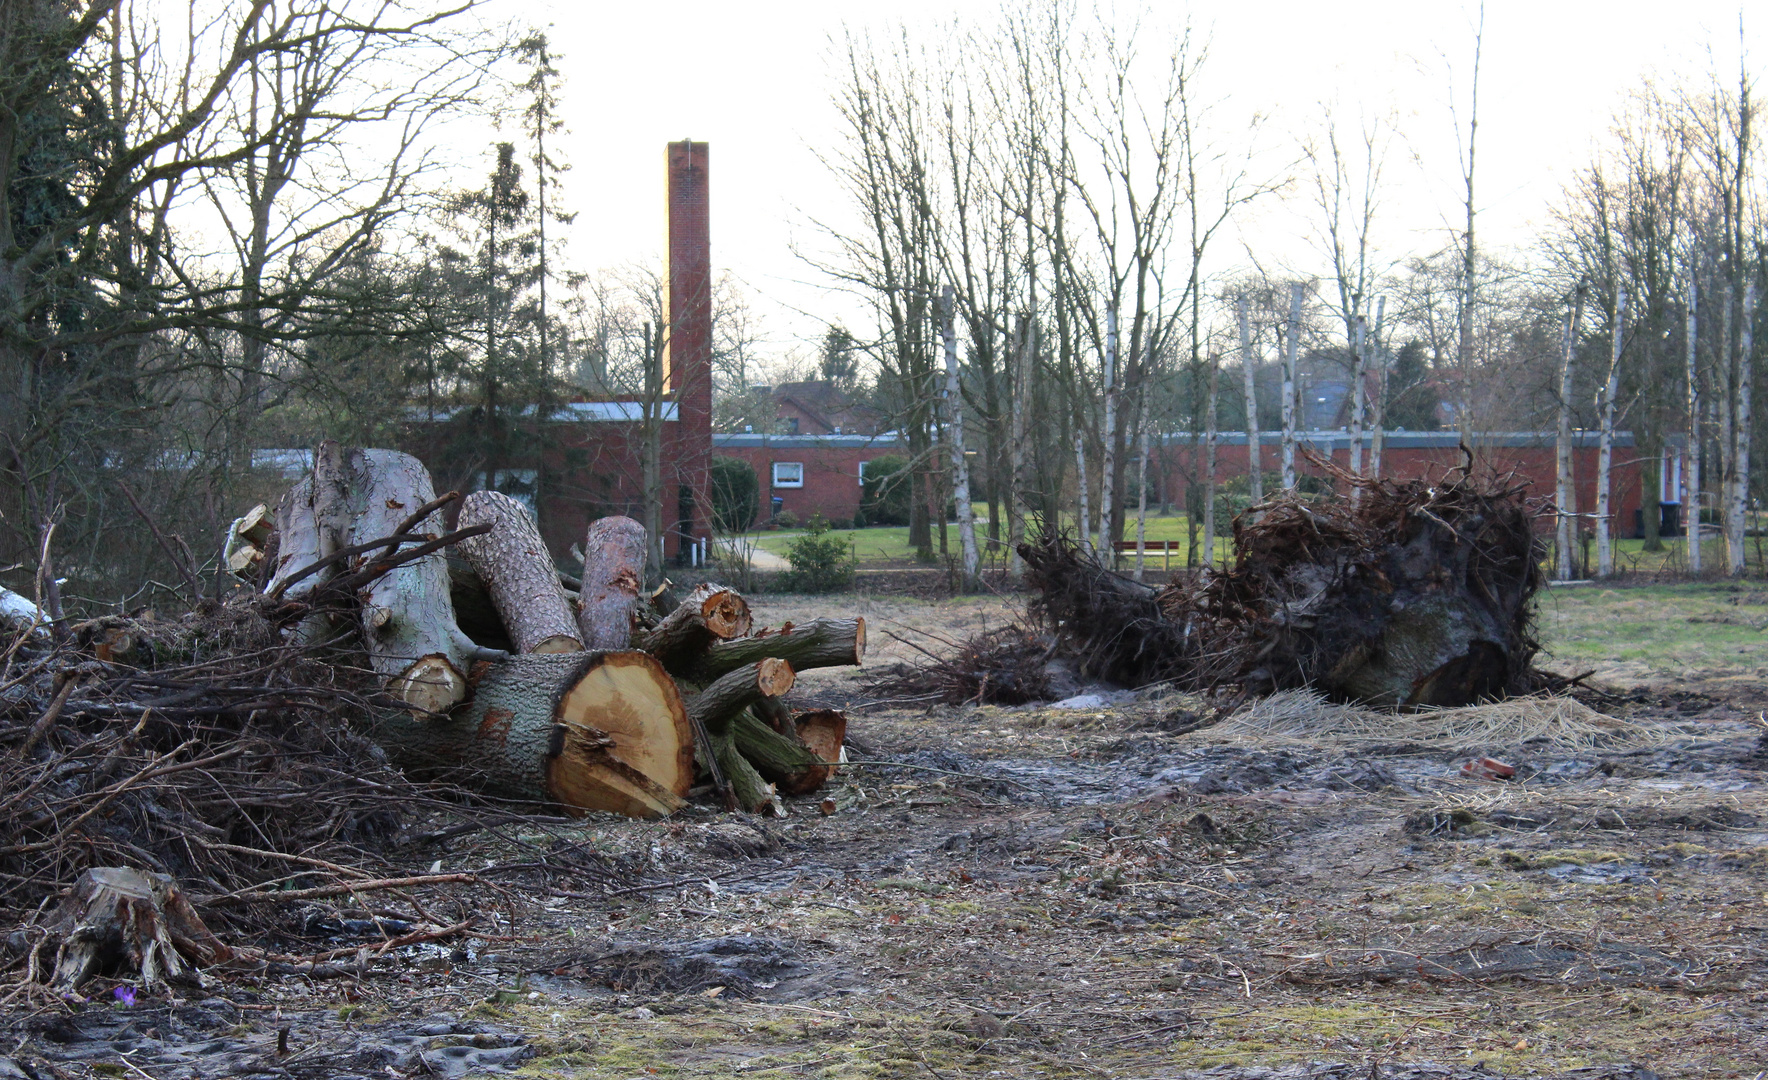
point(788, 474)
point(791, 425)
point(862, 473)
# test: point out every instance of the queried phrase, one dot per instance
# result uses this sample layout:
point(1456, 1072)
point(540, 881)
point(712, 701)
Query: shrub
point(736, 495)
point(821, 562)
point(786, 519)
point(888, 491)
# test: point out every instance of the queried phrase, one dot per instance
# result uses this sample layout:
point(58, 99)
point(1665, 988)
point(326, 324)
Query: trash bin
point(778, 505)
point(1670, 519)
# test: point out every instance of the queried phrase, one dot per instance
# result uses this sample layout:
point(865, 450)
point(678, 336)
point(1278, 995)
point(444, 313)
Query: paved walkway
point(759, 558)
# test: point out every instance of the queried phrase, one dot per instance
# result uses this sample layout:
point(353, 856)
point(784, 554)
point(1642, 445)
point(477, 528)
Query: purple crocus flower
point(125, 995)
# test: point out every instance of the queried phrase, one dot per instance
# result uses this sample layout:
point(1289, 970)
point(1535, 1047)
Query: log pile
point(1415, 594)
point(498, 673)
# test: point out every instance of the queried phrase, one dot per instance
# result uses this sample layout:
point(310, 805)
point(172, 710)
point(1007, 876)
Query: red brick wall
point(831, 477)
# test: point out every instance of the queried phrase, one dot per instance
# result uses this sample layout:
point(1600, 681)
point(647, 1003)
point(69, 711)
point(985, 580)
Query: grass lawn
point(891, 543)
point(1711, 634)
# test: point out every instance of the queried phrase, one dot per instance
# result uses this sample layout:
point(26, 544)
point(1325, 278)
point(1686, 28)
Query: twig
point(196, 587)
point(943, 772)
point(284, 895)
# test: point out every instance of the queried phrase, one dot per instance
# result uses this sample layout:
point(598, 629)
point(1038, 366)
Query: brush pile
point(1412, 594)
point(278, 744)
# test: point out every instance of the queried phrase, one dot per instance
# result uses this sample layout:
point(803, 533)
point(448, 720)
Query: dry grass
point(1566, 724)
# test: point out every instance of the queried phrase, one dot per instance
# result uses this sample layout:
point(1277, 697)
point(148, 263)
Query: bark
point(613, 571)
point(1080, 465)
point(793, 767)
point(1691, 483)
point(1565, 489)
point(735, 691)
point(588, 731)
point(1605, 562)
point(19, 615)
point(408, 625)
point(1209, 464)
point(954, 396)
point(1359, 367)
point(1142, 505)
point(297, 541)
point(513, 562)
point(820, 643)
point(752, 792)
point(710, 613)
point(1736, 517)
point(1107, 535)
point(1289, 355)
point(1025, 360)
point(1255, 477)
point(1378, 409)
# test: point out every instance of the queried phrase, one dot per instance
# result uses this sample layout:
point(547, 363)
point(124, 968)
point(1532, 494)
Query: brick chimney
point(687, 353)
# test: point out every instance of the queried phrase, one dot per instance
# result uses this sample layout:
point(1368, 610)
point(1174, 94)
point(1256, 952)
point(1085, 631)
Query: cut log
point(473, 610)
point(753, 793)
point(297, 541)
point(793, 767)
point(588, 731)
point(820, 643)
point(824, 731)
point(408, 626)
point(513, 562)
point(117, 917)
point(254, 526)
point(735, 691)
point(613, 571)
point(710, 613)
point(19, 614)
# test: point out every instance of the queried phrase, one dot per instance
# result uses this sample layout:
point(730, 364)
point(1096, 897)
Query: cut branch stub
point(513, 562)
point(589, 731)
point(735, 691)
point(794, 767)
point(408, 625)
point(819, 643)
point(613, 571)
point(710, 613)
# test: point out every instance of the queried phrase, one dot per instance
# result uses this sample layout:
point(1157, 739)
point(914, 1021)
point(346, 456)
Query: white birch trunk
point(1289, 358)
point(1209, 465)
point(1691, 472)
point(1605, 558)
point(1027, 353)
point(1255, 478)
point(1378, 409)
point(1737, 519)
point(1080, 464)
point(1358, 369)
point(1105, 541)
point(1142, 501)
point(954, 394)
point(1565, 492)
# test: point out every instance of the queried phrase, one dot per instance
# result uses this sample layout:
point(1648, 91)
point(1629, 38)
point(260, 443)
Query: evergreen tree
point(1411, 395)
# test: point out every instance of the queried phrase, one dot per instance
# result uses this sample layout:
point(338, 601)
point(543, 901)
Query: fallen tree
point(1415, 594)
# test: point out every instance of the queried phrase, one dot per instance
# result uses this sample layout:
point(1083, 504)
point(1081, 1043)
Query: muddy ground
point(1064, 893)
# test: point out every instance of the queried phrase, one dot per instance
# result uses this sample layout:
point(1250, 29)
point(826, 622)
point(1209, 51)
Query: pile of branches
point(1008, 666)
point(202, 747)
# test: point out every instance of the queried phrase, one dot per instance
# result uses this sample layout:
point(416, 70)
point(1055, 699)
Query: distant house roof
point(825, 405)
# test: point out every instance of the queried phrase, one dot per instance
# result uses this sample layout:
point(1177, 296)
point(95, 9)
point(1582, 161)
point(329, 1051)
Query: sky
point(754, 80)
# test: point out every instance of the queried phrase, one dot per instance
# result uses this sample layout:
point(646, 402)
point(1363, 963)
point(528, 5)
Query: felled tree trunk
point(819, 643)
point(613, 571)
point(588, 731)
point(512, 560)
point(116, 916)
point(731, 693)
point(792, 766)
point(710, 613)
point(408, 626)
